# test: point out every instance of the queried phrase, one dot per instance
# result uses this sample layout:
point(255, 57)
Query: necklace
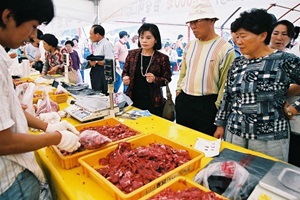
point(147, 66)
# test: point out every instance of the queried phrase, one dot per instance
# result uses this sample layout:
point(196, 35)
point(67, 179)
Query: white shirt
point(105, 48)
point(32, 52)
point(12, 117)
point(296, 49)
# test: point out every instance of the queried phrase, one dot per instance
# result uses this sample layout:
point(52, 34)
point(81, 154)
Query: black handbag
point(169, 112)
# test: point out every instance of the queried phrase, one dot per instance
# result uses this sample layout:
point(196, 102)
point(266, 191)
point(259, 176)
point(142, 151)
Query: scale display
point(109, 70)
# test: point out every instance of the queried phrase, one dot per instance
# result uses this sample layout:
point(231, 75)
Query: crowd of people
point(245, 90)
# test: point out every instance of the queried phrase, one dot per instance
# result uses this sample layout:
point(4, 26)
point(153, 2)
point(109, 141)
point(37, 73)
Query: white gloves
point(61, 126)
point(69, 141)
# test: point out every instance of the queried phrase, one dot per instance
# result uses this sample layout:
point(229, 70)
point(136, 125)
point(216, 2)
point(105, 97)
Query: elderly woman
point(146, 71)
point(54, 63)
point(282, 35)
point(253, 111)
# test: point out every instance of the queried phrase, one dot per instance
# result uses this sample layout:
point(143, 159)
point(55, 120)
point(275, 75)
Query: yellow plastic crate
point(178, 183)
point(58, 98)
point(71, 161)
point(91, 162)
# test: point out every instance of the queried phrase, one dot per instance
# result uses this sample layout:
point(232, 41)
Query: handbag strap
point(168, 91)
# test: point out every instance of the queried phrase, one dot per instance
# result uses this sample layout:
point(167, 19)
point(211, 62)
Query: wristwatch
point(289, 113)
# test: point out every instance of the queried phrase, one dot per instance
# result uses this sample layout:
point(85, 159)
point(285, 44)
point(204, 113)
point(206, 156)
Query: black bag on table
point(256, 168)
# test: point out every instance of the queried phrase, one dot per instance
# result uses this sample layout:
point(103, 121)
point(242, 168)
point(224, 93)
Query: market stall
point(73, 184)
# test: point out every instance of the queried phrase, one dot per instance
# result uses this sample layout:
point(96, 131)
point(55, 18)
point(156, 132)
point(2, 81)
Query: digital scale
point(94, 107)
point(282, 182)
point(91, 108)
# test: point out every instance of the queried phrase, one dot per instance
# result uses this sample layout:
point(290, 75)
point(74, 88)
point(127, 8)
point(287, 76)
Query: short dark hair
point(75, 39)
point(289, 26)
point(50, 39)
point(39, 35)
point(98, 29)
point(256, 21)
point(27, 10)
point(154, 30)
point(69, 42)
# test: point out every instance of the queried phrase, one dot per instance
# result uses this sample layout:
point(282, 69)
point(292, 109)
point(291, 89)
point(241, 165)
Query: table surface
point(73, 184)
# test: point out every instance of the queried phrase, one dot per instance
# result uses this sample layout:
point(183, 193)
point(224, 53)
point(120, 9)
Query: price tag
point(210, 148)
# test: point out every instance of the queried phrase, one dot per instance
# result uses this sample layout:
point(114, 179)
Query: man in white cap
point(204, 68)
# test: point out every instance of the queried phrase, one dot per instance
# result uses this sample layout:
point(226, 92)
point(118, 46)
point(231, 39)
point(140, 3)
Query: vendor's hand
point(219, 132)
point(150, 78)
point(61, 126)
point(68, 142)
point(126, 80)
point(24, 106)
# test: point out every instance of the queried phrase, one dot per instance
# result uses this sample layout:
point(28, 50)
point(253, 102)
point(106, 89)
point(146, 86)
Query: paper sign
point(210, 148)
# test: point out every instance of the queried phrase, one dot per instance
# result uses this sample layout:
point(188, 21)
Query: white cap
point(203, 10)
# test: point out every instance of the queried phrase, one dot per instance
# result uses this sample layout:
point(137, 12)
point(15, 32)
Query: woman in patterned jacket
point(253, 111)
point(146, 71)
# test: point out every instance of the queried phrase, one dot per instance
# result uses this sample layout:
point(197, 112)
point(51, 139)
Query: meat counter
point(73, 184)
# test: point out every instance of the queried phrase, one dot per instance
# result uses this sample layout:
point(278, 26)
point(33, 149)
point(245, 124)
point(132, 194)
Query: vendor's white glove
point(69, 141)
point(61, 126)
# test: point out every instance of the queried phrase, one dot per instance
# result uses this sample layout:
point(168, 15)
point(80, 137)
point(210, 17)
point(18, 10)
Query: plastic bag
point(229, 169)
point(46, 105)
point(90, 139)
point(122, 100)
point(60, 90)
point(51, 117)
point(25, 94)
point(256, 166)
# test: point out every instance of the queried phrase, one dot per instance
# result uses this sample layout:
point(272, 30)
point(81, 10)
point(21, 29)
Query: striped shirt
point(255, 92)
point(12, 117)
point(204, 67)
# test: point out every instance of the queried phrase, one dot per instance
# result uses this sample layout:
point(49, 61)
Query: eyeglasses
point(195, 22)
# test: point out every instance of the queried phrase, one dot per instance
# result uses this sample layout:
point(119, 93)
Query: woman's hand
point(150, 78)
point(126, 80)
point(289, 110)
point(219, 132)
point(53, 70)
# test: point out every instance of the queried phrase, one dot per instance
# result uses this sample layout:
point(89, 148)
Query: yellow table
point(73, 184)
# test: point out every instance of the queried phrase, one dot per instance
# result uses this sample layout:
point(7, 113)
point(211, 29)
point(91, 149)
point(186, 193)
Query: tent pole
point(290, 9)
point(96, 10)
point(222, 26)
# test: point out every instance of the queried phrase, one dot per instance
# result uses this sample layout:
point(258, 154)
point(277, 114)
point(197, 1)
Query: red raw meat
point(90, 139)
point(130, 169)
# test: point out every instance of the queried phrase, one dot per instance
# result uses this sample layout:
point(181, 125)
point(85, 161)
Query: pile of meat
point(116, 132)
point(189, 193)
point(130, 169)
point(90, 139)
point(94, 137)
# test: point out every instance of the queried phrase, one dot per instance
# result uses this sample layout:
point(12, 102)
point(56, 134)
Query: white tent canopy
point(167, 14)
point(175, 12)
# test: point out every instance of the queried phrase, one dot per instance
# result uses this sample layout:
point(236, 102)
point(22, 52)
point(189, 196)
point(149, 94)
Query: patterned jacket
point(255, 92)
point(160, 67)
